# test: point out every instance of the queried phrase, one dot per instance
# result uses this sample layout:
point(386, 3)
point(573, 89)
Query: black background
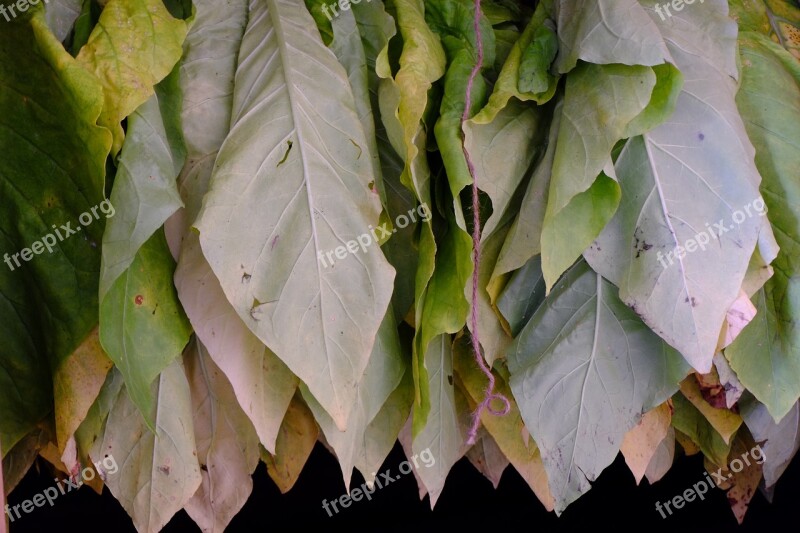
point(468, 502)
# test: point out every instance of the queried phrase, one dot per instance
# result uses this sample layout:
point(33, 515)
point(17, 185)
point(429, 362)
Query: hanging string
point(489, 394)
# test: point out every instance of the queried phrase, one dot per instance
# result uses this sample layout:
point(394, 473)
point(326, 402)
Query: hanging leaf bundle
point(532, 234)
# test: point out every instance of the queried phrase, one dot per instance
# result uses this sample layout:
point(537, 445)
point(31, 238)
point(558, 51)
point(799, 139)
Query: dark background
point(468, 502)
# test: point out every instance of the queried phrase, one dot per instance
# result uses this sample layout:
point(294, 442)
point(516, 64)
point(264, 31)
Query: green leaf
point(157, 473)
point(502, 153)
point(145, 194)
point(688, 420)
point(766, 355)
point(299, 151)
point(677, 181)
point(508, 83)
point(93, 424)
point(403, 101)
point(453, 21)
point(523, 241)
point(536, 60)
point(602, 104)
point(53, 172)
point(323, 16)
point(724, 422)
point(444, 310)
point(121, 51)
point(142, 325)
point(381, 434)
point(779, 20)
point(19, 459)
point(583, 371)
point(84, 24)
point(377, 27)
point(494, 336)
point(207, 76)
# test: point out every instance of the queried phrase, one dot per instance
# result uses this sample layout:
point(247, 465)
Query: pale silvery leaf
point(583, 371)
point(502, 152)
point(227, 444)
point(290, 184)
point(678, 182)
point(662, 458)
point(442, 433)
point(523, 294)
point(349, 50)
point(728, 379)
point(780, 441)
point(61, 15)
point(605, 32)
point(488, 459)
point(405, 440)
point(262, 383)
point(157, 472)
point(384, 372)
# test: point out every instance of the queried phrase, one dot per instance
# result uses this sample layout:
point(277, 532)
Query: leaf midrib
point(274, 15)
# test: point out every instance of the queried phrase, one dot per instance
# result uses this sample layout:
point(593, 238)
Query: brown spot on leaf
point(139, 300)
point(286, 154)
point(357, 146)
